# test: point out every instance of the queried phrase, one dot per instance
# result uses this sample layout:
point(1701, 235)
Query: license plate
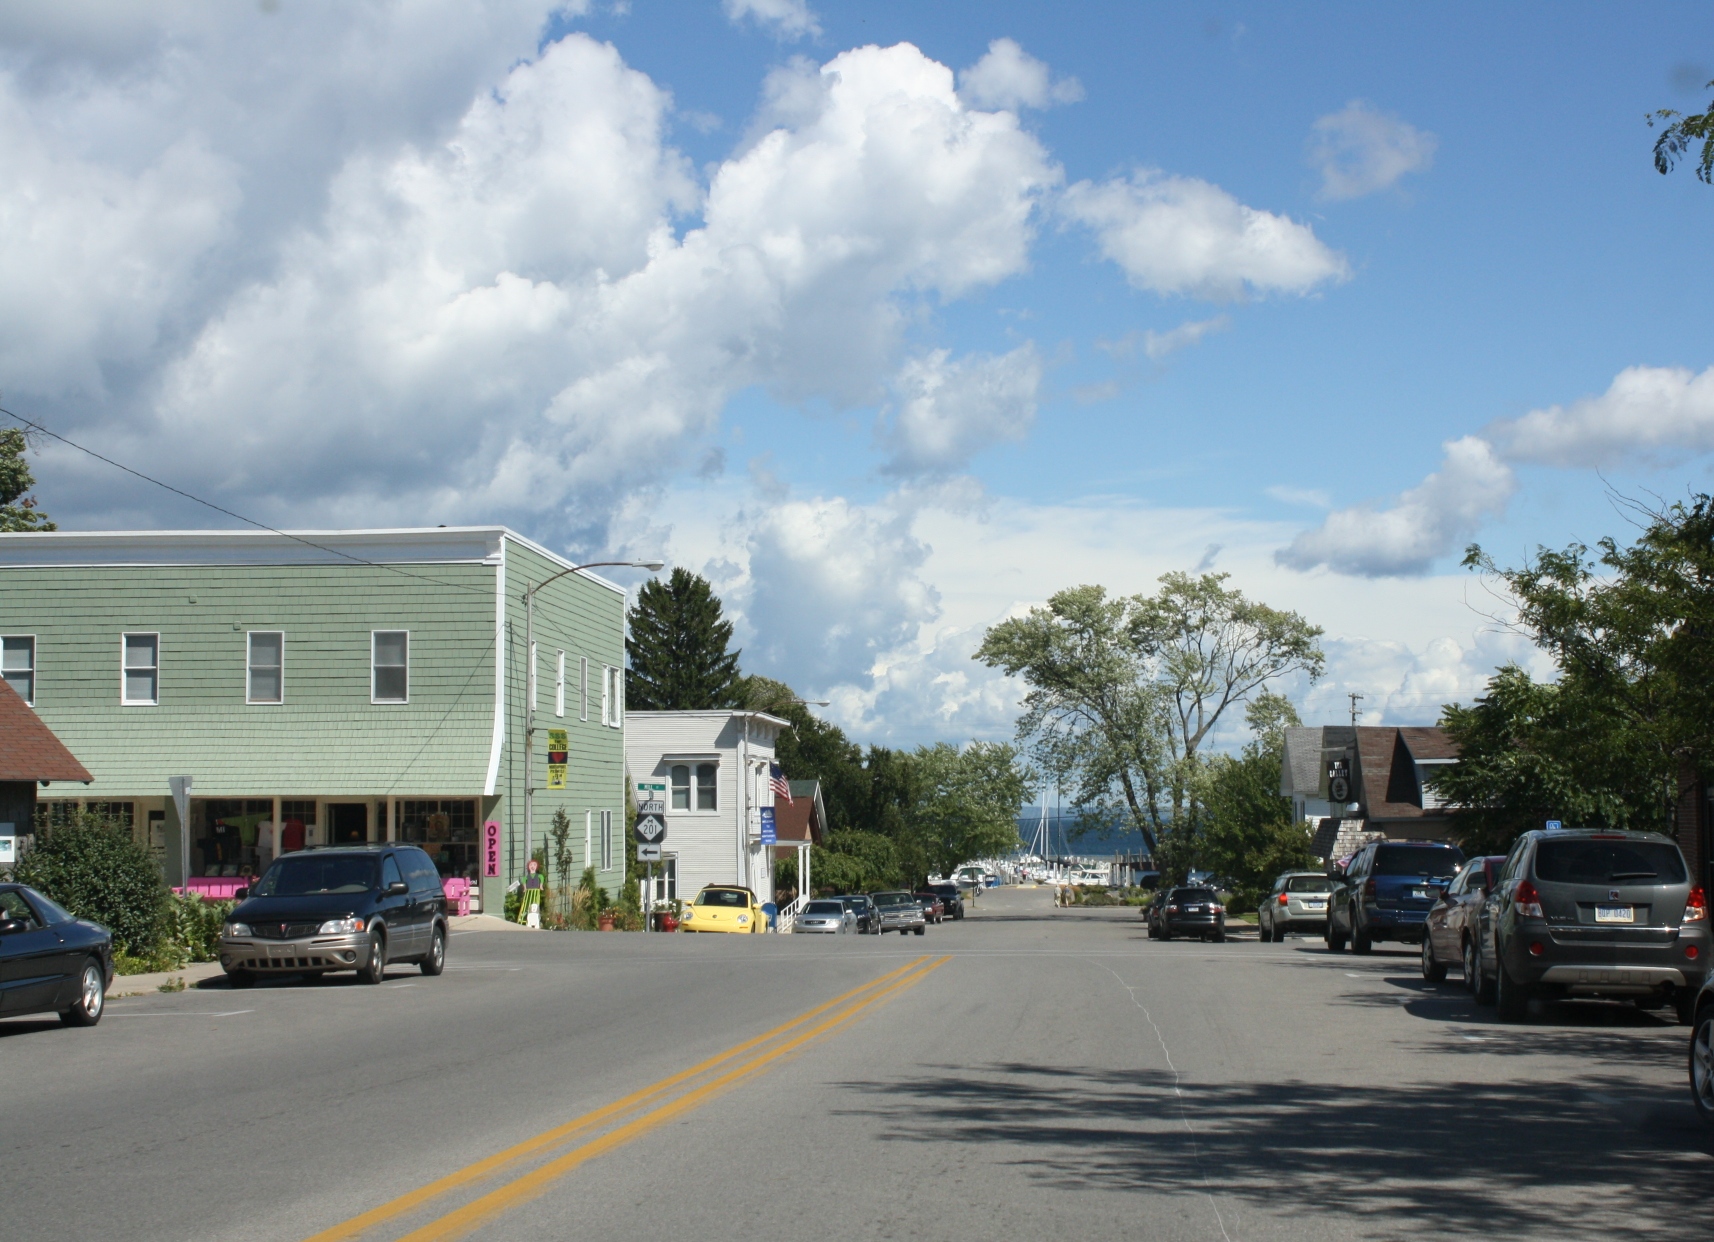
point(1615, 914)
point(1421, 894)
point(1315, 905)
point(282, 950)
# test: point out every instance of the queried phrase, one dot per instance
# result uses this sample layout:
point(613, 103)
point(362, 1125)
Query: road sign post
point(180, 787)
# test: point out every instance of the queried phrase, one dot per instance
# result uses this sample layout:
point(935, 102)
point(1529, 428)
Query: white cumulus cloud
point(1359, 151)
point(949, 409)
point(1423, 523)
point(785, 19)
point(1661, 414)
point(1009, 77)
point(1185, 236)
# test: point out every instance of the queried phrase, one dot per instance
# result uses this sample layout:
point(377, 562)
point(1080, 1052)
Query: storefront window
point(226, 833)
point(55, 814)
point(446, 829)
point(297, 820)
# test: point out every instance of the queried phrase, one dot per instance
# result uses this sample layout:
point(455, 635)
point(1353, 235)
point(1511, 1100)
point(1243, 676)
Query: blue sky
point(657, 281)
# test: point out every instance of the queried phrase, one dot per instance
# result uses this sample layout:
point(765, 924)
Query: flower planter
point(604, 923)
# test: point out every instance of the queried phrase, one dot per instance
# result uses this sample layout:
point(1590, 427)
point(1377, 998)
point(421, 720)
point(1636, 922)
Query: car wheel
point(1335, 941)
point(374, 967)
point(1480, 987)
point(1702, 1065)
point(1360, 941)
point(1433, 969)
point(921, 930)
point(1218, 937)
point(91, 997)
point(1511, 998)
point(434, 961)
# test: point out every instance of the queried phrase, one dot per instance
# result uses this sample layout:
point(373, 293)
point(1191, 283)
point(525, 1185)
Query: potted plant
point(604, 921)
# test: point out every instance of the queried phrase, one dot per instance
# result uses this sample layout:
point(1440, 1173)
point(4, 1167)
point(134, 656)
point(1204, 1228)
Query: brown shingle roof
point(29, 751)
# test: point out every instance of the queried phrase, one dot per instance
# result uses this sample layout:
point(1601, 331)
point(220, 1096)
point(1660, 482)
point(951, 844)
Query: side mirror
point(398, 888)
point(241, 894)
point(10, 927)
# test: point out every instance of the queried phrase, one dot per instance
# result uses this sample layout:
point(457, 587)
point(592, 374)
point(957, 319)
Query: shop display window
point(297, 819)
point(446, 830)
point(227, 832)
point(55, 814)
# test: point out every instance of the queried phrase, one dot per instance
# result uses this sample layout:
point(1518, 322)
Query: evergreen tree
point(18, 509)
point(678, 648)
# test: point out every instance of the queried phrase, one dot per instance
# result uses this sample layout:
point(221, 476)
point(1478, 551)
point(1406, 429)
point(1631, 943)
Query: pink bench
point(216, 887)
point(457, 890)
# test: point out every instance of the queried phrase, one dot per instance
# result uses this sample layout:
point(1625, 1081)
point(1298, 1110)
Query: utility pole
point(1355, 699)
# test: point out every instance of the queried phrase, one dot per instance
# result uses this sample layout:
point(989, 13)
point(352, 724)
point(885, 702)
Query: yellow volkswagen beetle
point(724, 908)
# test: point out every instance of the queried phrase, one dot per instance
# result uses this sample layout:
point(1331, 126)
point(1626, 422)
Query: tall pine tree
point(678, 648)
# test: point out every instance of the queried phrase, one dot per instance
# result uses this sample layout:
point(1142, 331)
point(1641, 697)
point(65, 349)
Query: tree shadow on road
point(1440, 1158)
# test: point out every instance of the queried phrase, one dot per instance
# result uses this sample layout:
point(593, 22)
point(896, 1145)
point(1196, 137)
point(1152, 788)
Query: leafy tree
point(94, 868)
point(18, 510)
point(1680, 135)
point(1124, 692)
point(677, 646)
point(967, 804)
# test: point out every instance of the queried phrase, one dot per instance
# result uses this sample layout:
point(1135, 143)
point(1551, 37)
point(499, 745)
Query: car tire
point(1481, 987)
point(91, 1000)
point(1702, 1065)
point(921, 930)
point(434, 961)
point(1218, 937)
point(1166, 932)
point(1511, 998)
point(1360, 941)
point(374, 967)
point(1433, 969)
point(1335, 940)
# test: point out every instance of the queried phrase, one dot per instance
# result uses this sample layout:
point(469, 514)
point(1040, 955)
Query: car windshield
point(51, 913)
point(307, 875)
point(1196, 894)
point(1308, 884)
point(894, 899)
point(1423, 860)
point(1609, 862)
point(723, 897)
point(825, 907)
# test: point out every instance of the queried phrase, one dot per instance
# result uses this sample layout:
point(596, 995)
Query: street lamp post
point(530, 684)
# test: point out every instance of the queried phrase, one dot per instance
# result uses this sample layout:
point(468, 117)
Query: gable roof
point(29, 751)
point(804, 818)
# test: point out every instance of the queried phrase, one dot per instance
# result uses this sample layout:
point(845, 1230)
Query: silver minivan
point(1298, 903)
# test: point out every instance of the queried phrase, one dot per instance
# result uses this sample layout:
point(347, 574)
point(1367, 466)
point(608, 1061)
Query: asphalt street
point(1027, 1073)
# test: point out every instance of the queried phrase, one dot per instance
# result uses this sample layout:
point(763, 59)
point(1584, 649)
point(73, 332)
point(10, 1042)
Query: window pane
point(681, 787)
point(266, 652)
point(140, 685)
point(390, 648)
point(18, 665)
point(705, 787)
point(390, 685)
point(139, 651)
point(392, 654)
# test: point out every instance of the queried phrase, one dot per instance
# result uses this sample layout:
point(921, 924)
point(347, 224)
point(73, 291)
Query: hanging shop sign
point(491, 849)
point(558, 746)
point(770, 834)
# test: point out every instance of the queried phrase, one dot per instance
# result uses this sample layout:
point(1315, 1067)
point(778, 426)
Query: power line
point(308, 543)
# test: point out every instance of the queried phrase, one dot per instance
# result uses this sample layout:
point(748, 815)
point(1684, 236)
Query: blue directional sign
point(769, 835)
point(1554, 825)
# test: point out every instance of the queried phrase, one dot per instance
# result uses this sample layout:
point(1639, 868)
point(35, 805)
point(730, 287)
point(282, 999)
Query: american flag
point(778, 779)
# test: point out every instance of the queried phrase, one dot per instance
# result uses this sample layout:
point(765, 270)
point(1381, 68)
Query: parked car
point(825, 916)
point(724, 908)
point(1298, 903)
point(51, 961)
point(863, 908)
point(356, 908)
point(1585, 913)
point(1702, 1053)
point(1187, 911)
point(900, 912)
point(932, 910)
point(1386, 892)
point(1452, 920)
point(951, 899)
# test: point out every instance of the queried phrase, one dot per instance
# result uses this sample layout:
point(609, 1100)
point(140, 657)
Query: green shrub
point(93, 868)
point(193, 925)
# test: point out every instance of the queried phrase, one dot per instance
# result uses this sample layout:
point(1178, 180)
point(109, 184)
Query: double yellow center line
point(683, 1091)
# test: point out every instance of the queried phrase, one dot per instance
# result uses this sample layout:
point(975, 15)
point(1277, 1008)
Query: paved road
point(1027, 1073)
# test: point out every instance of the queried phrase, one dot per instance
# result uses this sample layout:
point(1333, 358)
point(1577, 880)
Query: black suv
point(1386, 892)
point(868, 917)
point(352, 908)
point(951, 900)
point(1588, 913)
point(1189, 910)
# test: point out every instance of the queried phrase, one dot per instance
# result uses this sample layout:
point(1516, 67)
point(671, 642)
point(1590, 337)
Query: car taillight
point(1217, 909)
point(1696, 908)
point(1369, 887)
point(1282, 899)
point(1172, 909)
point(1526, 901)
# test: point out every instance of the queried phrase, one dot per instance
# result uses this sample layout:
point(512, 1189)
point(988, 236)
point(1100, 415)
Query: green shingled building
point(322, 687)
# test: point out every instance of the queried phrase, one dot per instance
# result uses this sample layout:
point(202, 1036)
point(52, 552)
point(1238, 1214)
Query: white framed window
point(707, 787)
point(679, 780)
point(266, 663)
point(559, 685)
point(583, 688)
point(607, 840)
point(18, 664)
point(613, 697)
point(140, 669)
point(588, 837)
point(532, 675)
point(390, 666)
point(606, 695)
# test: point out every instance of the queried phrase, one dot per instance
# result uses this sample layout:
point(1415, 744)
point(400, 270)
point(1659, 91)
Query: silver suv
point(1298, 903)
point(1585, 913)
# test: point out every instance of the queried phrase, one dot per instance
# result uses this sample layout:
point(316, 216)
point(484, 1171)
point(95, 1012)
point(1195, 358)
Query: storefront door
point(347, 823)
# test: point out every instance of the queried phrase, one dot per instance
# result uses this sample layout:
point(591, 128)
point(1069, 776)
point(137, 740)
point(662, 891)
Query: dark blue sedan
point(51, 962)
